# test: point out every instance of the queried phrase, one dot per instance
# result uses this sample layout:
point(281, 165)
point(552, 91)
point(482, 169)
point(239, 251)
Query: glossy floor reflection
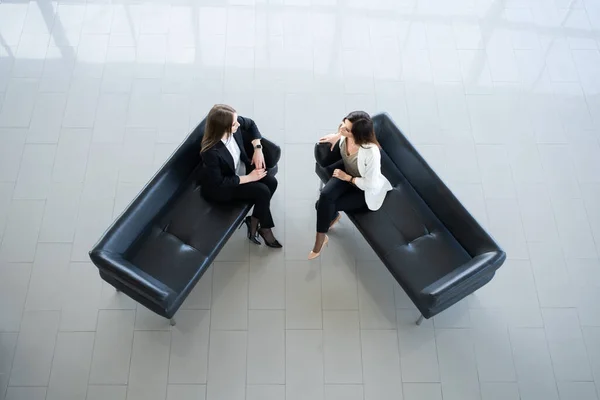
point(502, 97)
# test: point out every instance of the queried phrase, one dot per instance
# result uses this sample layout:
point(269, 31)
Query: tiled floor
point(502, 97)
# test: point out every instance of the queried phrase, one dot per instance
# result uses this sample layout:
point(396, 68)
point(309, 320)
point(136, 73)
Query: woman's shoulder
point(370, 148)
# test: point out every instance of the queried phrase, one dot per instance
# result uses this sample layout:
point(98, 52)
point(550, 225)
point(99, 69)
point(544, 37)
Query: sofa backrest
point(162, 188)
point(415, 170)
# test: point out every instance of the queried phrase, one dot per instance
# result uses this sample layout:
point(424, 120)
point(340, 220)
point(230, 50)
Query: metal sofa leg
point(420, 320)
point(172, 321)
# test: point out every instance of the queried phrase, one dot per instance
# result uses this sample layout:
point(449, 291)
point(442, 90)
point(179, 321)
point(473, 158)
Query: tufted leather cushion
point(429, 242)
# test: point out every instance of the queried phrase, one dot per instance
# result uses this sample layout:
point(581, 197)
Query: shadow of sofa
point(429, 242)
point(168, 236)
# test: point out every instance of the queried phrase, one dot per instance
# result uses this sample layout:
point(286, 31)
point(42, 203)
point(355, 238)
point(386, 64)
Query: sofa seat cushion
point(410, 240)
point(184, 238)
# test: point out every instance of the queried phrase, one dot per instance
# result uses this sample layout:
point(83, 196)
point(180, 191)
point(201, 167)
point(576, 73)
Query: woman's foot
point(269, 238)
point(252, 225)
point(321, 240)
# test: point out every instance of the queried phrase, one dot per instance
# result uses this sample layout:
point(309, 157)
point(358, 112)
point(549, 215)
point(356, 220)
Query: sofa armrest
point(131, 276)
point(272, 152)
point(324, 156)
point(480, 264)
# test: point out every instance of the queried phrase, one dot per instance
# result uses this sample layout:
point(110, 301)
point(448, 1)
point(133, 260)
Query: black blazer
point(217, 175)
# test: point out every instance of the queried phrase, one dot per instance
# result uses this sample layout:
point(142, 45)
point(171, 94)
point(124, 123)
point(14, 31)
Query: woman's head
point(221, 121)
point(359, 126)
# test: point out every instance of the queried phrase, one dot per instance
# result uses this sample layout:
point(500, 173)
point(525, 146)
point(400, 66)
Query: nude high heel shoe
point(312, 255)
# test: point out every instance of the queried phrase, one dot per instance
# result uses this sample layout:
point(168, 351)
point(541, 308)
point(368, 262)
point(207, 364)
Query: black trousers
point(337, 196)
point(259, 194)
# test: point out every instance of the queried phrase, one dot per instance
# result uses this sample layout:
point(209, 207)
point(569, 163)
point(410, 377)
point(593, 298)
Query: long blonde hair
point(218, 122)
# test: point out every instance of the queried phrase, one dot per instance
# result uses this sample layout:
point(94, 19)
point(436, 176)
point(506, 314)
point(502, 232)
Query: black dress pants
point(259, 194)
point(337, 195)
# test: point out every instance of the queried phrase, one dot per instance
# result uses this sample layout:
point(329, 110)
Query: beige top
point(350, 161)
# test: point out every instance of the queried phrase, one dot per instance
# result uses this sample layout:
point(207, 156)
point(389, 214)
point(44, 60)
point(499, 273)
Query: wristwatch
point(258, 146)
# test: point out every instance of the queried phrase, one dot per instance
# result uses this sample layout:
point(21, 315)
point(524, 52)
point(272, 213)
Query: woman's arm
point(213, 175)
point(373, 167)
point(249, 128)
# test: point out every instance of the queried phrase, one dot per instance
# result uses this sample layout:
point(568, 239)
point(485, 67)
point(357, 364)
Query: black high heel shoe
point(274, 244)
point(252, 238)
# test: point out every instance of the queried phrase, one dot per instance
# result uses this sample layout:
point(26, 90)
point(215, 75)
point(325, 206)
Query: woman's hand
point(332, 139)
point(258, 159)
point(257, 174)
point(341, 175)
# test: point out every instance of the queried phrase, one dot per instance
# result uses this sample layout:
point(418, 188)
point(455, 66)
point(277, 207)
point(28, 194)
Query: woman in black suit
point(229, 174)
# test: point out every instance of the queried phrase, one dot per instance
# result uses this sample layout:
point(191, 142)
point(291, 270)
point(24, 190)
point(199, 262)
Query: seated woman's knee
point(260, 190)
point(324, 199)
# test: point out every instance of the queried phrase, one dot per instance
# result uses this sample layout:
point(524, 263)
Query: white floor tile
point(499, 391)
point(494, 355)
point(22, 230)
point(266, 347)
point(227, 358)
point(577, 390)
point(461, 390)
point(19, 102)
point(422, 391)
point(81, 298)
point(566, 345)
point(81, 106)
point(230, 296)
point(201, 296)
point(12, 144)
point(418, 352)
point(344, 392)
point(339, 281)
point(265, 392)
point(456, 355)
point(26, 393)
point(375, 296)
point(49, 272)
point(102, 392)
point(112, 347)
point(341, 347)
point(149, 365)
point(266, 281)
point(71, 365)
point(304, 364)
point(47, 118)
point(186, 392)
point(188, 362)
point(35, 174)
point(8, 344)
point(35, 349)
point(533, 363)
point(72, 156)
point(381, 365)
point(14, 279)
point(303, 295)
point(60, 213)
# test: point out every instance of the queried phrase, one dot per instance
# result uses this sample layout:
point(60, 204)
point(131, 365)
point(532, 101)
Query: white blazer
point(371, 180)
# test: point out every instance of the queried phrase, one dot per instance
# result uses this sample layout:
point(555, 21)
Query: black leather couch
point(430, 243)
point(161, 245)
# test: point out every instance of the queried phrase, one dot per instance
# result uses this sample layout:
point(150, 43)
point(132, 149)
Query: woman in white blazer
point(357, 182)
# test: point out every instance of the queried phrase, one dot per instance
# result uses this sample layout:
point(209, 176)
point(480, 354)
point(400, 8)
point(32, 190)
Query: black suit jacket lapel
point(226, 155)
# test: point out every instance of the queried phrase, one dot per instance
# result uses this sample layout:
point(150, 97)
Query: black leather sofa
point(430, 243)
point(161, 245)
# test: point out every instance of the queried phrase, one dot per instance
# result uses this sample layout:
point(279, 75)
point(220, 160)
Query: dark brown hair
point(218, 122)
point(362, 128)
